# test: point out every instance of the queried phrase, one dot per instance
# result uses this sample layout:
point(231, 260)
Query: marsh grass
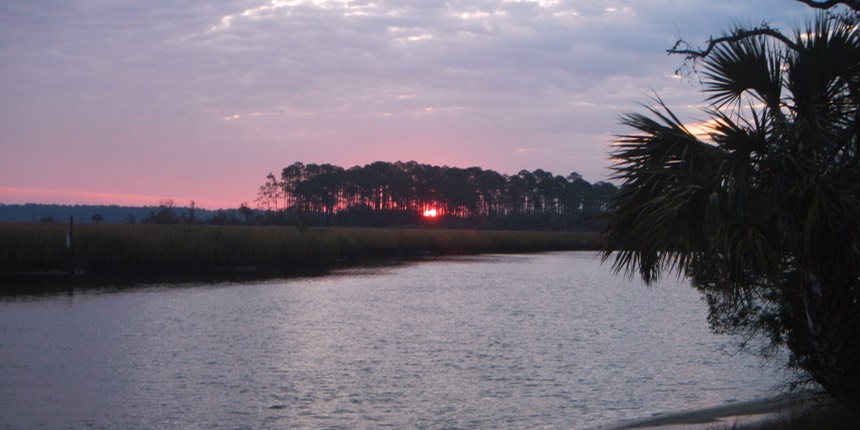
point(117, 248)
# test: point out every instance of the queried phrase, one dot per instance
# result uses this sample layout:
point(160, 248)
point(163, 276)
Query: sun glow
point(430, 213)
point(702, 130)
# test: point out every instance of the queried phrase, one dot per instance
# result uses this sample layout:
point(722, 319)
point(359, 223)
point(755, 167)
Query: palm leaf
point(656, 222)
point(748, 64)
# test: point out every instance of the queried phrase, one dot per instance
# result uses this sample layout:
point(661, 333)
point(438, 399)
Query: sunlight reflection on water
point(516, 341)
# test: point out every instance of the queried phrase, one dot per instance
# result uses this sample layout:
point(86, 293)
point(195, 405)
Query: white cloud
point(541, 3)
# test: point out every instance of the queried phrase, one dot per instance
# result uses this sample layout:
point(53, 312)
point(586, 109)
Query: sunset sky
point(132, 102)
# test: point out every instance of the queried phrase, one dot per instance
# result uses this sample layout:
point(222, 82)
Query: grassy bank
point(125, 248)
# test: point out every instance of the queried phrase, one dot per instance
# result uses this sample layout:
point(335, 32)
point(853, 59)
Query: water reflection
point(550, 340)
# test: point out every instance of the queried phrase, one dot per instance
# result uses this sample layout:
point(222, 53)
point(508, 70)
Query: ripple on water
point(550, 341)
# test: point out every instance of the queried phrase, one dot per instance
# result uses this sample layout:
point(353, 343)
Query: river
point(551, 341)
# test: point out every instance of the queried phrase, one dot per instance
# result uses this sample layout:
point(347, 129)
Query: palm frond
point(824, 76)
point(746, 65)
point(656, 221)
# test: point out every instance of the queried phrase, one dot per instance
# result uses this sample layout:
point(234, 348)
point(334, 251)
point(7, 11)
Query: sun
point(430, 213)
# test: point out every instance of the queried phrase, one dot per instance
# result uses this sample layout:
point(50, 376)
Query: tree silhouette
point(383, 193)
point(166, 213)
point(763, 215)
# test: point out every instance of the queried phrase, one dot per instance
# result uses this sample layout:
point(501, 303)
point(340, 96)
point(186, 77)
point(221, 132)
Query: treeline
point(165, 213)
point(405, 193)
point(50, 213)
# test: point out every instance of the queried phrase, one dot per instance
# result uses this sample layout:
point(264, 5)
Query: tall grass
point(116, 248)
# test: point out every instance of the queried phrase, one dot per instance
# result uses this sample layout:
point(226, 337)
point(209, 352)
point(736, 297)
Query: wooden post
point(70, 245)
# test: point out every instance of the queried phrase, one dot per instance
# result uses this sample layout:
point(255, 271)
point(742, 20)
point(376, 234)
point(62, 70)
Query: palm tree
point(763, 214)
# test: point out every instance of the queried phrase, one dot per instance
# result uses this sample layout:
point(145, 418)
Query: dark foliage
point(398, 194)
point(763, 215)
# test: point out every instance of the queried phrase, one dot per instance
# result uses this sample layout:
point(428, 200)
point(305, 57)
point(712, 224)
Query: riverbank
point(783, 412)
point(43, 249)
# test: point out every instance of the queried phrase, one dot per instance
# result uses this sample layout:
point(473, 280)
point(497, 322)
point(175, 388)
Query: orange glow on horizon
point(430, 213)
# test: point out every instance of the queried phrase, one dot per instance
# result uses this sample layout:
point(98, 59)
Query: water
point(519, 341)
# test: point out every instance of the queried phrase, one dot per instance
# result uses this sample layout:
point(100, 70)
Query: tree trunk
point(833, 313)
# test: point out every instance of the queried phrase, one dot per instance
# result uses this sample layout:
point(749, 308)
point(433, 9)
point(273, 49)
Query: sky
point(134, 102)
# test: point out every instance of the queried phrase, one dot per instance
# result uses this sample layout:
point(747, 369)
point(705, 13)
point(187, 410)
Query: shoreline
point(739, 415)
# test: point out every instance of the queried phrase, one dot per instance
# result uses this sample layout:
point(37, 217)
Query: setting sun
point(430, 213)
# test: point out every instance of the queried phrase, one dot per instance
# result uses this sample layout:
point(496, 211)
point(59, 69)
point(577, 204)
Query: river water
point(550, 341)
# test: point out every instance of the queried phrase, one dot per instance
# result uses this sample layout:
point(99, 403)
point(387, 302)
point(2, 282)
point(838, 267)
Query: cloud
point(208, 93)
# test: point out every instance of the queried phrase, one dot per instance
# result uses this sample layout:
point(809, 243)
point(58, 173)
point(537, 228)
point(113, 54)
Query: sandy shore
point(741, 414)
